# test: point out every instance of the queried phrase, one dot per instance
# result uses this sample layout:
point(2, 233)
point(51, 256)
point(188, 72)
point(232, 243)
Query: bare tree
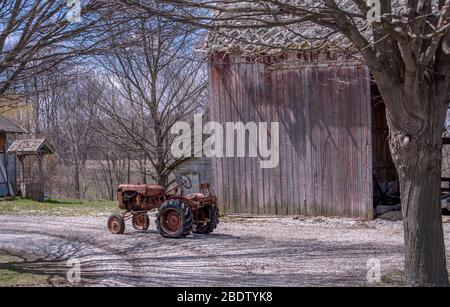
point(76, 134)
point(43, 92)
point(155, 80)
point(408, 53)
point(35, 35)
point(112, 169)
point(64, 108)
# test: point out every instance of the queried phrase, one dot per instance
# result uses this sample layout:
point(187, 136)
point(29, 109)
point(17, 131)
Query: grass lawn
point(11, 273)
point(66, 207)
point(20, 272)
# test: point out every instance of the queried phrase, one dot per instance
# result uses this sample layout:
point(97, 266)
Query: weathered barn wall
point(8, 180)
point(325, 130)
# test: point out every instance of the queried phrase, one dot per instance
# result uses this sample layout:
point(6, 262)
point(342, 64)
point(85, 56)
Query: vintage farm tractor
point(177, 215)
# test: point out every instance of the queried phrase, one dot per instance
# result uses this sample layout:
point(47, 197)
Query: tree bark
point(161, 179)
point(417, 153)
point(144, 170)
point(77, 181)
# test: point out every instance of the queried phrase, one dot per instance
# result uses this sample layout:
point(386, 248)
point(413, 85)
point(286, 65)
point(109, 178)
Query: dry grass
point(66, 207)
point(21, 272)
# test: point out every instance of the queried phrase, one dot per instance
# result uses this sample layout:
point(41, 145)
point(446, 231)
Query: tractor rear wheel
point(116, 224)
point(174, 219)
point(206, 228)
point(141, 221)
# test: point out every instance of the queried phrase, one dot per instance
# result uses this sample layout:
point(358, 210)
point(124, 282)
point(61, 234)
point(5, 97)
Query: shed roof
point(273, 40)
point(8, 126)
point(260, 37)
point(31, 147)
point(239, 32)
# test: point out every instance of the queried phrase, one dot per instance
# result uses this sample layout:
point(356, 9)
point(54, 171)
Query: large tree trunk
point(162, 180)
point(417, 152)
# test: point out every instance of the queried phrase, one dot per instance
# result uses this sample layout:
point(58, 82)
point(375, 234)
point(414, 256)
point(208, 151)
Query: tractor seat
point(195, 196)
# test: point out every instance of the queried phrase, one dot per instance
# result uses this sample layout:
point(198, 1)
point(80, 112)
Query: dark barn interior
point(386, 189)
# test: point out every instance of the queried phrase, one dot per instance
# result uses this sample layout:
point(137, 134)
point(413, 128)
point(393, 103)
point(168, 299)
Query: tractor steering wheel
point(186, 182)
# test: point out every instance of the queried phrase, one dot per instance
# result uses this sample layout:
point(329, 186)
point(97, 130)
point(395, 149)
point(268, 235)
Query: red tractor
point(177, 215)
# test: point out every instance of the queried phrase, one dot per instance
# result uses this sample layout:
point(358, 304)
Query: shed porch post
point(41, 177)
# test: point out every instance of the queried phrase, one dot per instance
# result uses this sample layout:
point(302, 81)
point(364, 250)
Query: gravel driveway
point(242, 252)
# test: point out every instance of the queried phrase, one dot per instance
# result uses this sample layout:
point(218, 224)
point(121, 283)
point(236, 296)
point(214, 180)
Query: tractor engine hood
point(147, 190)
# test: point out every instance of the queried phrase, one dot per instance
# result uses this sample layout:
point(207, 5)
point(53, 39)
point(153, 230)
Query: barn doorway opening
point(386, 192)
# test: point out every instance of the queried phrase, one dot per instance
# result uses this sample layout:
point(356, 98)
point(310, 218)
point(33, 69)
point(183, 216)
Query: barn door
point(195, 184)
point(5, 184)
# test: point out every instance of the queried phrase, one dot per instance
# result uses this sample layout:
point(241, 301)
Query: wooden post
point(40, 156)
point(23, 186)
point(5, 158)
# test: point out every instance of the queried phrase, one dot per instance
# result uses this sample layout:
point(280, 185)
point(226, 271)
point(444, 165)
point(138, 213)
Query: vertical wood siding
point(325, 138)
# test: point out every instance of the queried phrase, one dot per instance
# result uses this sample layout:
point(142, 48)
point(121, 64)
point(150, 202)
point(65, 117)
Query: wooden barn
point(333, 132)
point(8, 179)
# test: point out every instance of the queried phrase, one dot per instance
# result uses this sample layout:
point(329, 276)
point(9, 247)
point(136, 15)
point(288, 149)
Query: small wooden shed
point(31, 187)
point(8, 133)
point(333, 131)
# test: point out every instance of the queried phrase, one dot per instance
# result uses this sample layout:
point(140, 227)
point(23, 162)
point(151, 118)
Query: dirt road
point(242, 252)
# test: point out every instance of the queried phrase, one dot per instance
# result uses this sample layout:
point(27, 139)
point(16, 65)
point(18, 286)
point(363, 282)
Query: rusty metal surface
point(171, 221)
point(136, 200)
point(116, 224)
point(148, 190)
point(140, 221)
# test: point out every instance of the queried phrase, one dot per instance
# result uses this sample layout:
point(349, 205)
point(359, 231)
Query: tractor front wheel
point(116, 224)
point(174, 219)
point(141, 221)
